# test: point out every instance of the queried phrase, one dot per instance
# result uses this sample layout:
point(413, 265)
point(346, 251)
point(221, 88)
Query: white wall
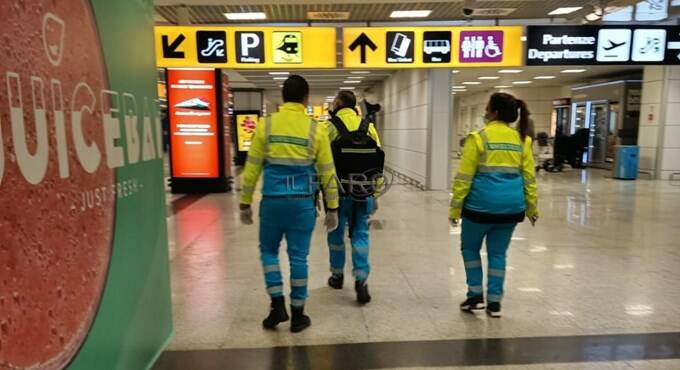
point(470, 108)
point(659, 133)
point(404, 122)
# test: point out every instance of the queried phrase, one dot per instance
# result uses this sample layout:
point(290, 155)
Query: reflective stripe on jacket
point(292, 149)
point(496, 174)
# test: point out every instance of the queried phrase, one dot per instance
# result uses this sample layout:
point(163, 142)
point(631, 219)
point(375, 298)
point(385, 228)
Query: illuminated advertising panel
point(193, 123)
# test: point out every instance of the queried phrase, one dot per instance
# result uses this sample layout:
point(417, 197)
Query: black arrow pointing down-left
point(170, 50)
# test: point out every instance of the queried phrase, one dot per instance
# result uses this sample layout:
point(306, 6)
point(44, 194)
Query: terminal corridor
point(593, 281)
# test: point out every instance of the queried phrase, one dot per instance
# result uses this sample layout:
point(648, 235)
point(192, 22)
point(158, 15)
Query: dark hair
point(508, 109)
point(347, 99)
point(295, 89)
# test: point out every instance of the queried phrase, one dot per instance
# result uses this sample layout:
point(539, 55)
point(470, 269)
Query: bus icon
point(437, 46)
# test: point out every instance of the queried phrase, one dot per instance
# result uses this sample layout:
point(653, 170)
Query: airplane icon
point(613, 45)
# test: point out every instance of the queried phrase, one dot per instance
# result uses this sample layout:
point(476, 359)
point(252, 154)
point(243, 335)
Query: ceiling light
point(453, 93)
point(488, 78)
point(472, 83)
point(521, 82)
point(501, 87)
point(510, 71)
point(523, 38)
point(359, 72)
point(454, 71)
point(458, 87)
point(565, 10)
point(410, 13)
point(544, 77)
point(573, 70)
point(347, 87)
point(352, 82)
point(279, 73)
point(592, 17)
point(245, 16)
point(355, 77)
point(280, 85)
point(280, 78)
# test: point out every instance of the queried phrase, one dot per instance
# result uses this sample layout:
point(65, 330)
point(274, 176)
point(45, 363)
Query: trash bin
point(626, 162)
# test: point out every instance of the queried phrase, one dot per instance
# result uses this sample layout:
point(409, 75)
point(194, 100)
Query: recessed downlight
point(510, 71)
point(579, 70)
point(472, 83)
point(544, 77)
point(521, 82)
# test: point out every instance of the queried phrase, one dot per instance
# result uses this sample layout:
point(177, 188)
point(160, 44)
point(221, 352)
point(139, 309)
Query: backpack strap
point(339, 125)
point(363, 126)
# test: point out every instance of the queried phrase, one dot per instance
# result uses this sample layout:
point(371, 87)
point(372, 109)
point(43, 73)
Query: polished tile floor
point(604, 259)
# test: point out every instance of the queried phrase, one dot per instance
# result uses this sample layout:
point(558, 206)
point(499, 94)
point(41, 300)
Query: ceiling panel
point(365, 12)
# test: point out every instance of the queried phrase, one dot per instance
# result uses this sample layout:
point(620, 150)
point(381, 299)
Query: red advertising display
point(192, 108)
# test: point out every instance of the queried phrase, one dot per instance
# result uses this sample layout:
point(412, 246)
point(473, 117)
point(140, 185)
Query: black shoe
point(277, 314)
point(361, 287)
point(473, 303)
point(494, 309)
point(300, 321)
point(336, 281)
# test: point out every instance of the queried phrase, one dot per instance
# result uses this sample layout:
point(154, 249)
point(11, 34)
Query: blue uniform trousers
point(498, 237)
point(293, 219)
point(352, 215)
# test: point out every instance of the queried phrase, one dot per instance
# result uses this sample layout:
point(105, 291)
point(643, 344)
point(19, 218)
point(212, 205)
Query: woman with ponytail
point(495, 189)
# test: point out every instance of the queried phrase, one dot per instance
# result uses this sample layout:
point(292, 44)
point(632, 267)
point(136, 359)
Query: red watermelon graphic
point(54, 252)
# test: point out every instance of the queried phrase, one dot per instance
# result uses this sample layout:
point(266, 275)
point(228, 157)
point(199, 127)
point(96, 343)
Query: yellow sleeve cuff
point(455, 213)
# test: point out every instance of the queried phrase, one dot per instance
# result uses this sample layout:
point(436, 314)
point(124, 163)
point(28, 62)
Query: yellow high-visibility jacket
point(496, 178)
point(352, 121)
point(295, 153)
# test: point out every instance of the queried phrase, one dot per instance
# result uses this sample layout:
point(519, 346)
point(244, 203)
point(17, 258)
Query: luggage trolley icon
point(289, 44)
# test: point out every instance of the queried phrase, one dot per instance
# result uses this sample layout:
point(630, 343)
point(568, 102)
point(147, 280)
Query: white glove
point(247, 216)
point(331, 221)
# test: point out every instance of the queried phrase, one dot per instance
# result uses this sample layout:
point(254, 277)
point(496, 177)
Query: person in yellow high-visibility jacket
point(495, 189)
point(353, 214)
point(295, 154)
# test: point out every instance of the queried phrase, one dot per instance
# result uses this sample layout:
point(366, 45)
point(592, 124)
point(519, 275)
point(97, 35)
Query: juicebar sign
point(83, 248)
point(245, 47)
point(592, 45)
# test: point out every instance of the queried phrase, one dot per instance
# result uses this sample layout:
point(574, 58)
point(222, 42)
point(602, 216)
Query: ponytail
point(508, 109)
point(524, 124)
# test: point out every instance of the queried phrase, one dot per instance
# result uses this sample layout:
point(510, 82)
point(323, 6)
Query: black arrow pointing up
point(170, 50)
point(363, 41)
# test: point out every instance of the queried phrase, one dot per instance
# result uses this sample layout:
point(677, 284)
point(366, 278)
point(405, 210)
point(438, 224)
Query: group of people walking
point(494, 190)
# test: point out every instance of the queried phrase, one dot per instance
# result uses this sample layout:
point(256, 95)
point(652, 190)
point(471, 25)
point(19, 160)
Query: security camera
point(469, 7)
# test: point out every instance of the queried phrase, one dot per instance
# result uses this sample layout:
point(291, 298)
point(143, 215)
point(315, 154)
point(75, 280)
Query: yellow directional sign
point(431, 47)
point(246, 47)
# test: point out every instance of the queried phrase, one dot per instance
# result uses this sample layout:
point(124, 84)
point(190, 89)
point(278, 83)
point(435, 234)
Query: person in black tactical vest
point(359, 164)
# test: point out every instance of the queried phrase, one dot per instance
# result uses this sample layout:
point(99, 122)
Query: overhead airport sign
point(246, 47)
point(431, 47)
point(591, 45)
